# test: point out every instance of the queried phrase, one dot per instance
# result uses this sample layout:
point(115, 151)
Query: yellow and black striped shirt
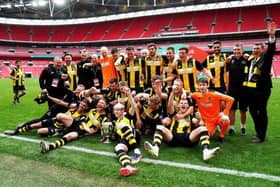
point(19, 75)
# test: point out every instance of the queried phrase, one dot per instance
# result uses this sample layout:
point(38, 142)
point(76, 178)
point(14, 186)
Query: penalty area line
point(163, 162)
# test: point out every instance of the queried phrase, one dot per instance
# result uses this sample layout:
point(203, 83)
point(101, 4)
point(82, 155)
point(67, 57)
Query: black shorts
point(240, 99)
point(18, 88)
point(75, 127)
point(182, 139)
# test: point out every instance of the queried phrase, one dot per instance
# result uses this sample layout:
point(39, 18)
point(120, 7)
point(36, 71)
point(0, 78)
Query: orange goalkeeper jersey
point(209, 104)
point(108, 70)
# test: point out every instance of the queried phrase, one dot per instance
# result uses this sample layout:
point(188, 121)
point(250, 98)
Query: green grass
point(22, 164)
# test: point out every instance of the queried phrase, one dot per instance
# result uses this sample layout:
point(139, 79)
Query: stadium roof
point(65, 9)
point(61, 12)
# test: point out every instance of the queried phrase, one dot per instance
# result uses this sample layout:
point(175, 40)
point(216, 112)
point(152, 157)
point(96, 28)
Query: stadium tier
point(202, 22)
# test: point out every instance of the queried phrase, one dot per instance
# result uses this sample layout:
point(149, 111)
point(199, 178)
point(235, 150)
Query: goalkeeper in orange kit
point(209, 106)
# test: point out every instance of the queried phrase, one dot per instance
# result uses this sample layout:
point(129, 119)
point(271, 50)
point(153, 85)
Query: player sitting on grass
point(68, 105)
point(129, 138)
point(181, 132)
point(88, 125)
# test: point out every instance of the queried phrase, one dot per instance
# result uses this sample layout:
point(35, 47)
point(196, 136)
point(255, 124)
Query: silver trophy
point(107, 129)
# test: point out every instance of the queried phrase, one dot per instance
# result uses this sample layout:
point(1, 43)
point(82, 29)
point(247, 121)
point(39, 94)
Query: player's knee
point(203, 129)
point(119, 147)
point(160, 127)
point(60, 116)
point(43, 131)
point(224, 118)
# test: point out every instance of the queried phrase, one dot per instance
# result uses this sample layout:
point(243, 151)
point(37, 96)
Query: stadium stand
point(116, 30)
point(156, 24)
point(79, 32)
point(61, 33)
point(99, 31)
point(4, 32)
point(204, 22)
point(20, 33)
point(253, 18)
point(226, 21)
point(40, 33)
point(220, 21)
point(136, 28)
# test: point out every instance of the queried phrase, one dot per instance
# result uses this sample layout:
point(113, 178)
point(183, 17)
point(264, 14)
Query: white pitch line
point(166, 163)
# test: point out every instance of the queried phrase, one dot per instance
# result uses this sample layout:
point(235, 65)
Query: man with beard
point(216, 64)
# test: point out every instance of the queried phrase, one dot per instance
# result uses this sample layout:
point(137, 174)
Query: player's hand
point(139, 124)
point(82, 94)
point(271, 28)
point(64, 76)
point(213, 80)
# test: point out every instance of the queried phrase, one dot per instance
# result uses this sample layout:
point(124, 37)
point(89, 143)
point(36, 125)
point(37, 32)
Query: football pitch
point(88, 162)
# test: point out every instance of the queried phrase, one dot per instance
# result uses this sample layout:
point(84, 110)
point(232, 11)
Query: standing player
point(135, 71)
point(71, 68)
point(108, 68)
point(187, 68)
point(236, 65)
point(153, 63)
point(216, 63)
point(120, 64)
point(17, 76)
point(169, 72)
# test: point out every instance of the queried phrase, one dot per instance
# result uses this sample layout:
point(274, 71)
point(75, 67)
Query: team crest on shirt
point(232, 61)
point(243, 62)
point(209, 98)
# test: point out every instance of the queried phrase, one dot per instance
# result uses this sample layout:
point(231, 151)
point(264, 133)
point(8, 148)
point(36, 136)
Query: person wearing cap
point(129, 138)
point(17, 76)
point(216, 64)
point(209, 106)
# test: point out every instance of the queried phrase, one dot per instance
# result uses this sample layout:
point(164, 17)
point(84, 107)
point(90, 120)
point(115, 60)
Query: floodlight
point(42, 2)
point(9, 5)
point(34, 3)
point(59, 2)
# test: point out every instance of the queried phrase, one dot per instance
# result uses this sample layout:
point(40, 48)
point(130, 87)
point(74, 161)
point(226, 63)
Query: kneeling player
point(181, 132)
